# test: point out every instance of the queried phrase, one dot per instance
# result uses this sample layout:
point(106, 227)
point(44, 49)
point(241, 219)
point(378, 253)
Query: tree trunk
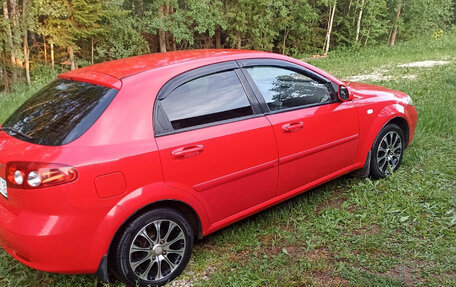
point(284, 45)
point(91, 50)
point(161, 33)
point(71, 55)
point(358, 24)
point(13, 6)
point(27, 58)
point(52, 55)
point(10, 41)
point(26, 47)
point(218, 38)
point(393, 37)
point(239, 43)
point(332, 11)
point(45, 51)
point(5, 79)
point(16, 31)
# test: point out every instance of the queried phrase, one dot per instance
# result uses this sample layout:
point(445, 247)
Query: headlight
point(409, 101)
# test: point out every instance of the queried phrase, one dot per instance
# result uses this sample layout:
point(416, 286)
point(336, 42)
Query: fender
point(371, 125)
point(135, 201)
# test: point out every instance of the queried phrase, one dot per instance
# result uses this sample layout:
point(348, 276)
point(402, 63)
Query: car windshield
point(59, 113)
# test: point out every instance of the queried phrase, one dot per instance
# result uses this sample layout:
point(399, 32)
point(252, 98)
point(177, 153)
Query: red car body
point(216, 174)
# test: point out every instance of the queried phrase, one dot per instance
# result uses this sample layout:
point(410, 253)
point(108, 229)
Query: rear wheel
point(154, 248)
point(387, 151)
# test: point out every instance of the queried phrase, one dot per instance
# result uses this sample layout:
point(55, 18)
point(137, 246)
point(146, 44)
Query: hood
point(362, 90)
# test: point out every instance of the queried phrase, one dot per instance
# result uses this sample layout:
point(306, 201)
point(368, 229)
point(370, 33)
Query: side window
point(284, 89)
point(208, 99)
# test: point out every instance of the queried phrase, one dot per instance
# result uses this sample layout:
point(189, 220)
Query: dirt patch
point(381, 74)
point(452, 275)
point(333, 202)
point(410, 77)
point(376, 77)
point(294, 251)
point(319, 253)
point(266, 238)
point(369, 230)
point(402, 273)
point(190, 277)
point(326, 279)
point(423, 64)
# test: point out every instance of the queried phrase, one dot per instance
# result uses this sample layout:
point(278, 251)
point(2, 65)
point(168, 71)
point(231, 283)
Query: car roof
point(109, 73)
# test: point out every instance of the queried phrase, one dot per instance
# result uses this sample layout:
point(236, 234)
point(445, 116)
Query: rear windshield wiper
point(16, 132)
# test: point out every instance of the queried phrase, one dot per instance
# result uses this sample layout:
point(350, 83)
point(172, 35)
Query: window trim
point(265, 62)
point(162, 125)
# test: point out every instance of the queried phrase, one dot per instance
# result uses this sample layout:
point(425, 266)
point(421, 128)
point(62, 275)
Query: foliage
point(103, 30)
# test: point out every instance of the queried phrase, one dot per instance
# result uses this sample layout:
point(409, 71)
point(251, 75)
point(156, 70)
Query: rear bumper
point(52, 243)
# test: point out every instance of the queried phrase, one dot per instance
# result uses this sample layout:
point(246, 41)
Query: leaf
point(284, 250)
point(404, 218)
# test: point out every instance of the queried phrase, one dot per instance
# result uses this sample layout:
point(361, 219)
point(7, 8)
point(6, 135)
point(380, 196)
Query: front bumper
point(411, 115)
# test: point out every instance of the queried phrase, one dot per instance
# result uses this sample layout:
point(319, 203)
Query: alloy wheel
point(389, 152)
point(157, 250)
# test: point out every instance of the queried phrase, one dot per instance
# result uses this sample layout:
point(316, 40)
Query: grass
point(400, 231)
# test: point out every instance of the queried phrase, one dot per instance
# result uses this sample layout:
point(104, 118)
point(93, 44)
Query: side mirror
point(344, 94)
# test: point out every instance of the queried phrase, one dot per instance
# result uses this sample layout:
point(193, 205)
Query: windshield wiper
point(16, 132)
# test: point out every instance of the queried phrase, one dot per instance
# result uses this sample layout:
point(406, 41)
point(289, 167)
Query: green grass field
point(400, 231)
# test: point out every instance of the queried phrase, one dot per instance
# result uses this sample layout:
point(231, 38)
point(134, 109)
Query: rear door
point(317, 135)
point(214, 140)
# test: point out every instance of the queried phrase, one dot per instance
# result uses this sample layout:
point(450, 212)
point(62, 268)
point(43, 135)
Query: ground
point(400, 231)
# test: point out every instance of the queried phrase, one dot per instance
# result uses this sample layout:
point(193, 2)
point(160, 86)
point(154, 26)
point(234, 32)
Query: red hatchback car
point(124, 163)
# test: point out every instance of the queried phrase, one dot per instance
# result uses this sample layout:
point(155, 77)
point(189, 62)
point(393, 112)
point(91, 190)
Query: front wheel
point(154, 248)
point(387, 151)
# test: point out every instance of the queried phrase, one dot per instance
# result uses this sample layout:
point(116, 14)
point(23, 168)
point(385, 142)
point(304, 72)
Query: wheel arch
point(137, 202)
point(402, 123)
point(394, 113)
point(187, 211)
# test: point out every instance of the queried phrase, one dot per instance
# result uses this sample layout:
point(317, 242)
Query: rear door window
point(208, 99)
point(59, 113)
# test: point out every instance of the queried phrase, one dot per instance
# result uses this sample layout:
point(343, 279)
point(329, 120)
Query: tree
point(82, 32)
point(120, 35)
point(393, 34)
point(332, 4)
point(422, 16)
point(10, 46)
point(358, 23)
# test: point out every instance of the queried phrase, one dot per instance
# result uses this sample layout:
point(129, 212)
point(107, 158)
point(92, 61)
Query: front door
point(317, 135)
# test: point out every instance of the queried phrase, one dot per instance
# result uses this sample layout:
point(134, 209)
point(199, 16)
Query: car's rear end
point(40, 172)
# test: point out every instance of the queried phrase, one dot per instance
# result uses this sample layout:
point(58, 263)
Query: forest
point(39, 37)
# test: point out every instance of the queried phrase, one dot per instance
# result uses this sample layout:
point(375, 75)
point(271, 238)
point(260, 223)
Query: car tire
point(143, 259)
point(387, 151)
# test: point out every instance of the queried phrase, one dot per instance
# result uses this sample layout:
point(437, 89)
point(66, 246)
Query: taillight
point(30, 175)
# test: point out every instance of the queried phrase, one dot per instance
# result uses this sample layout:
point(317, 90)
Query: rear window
point(59, 113)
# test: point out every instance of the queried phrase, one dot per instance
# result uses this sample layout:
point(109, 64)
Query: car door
point(317, 134)
point(214, 140)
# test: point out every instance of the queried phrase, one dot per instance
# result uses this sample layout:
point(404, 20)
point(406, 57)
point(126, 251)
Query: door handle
point(188, 151)
point(292, 127)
